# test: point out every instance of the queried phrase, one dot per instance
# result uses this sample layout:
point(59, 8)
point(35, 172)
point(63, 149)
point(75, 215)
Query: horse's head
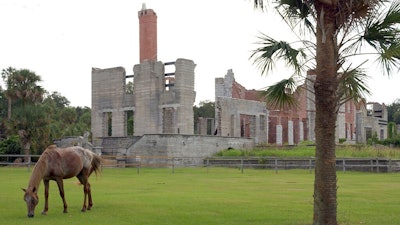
point(31, 199)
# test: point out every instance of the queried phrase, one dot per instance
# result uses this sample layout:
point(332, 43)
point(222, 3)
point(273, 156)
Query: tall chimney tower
point(147, 34)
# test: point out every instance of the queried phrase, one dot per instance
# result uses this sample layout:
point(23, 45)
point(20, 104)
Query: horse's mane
point(39, 170)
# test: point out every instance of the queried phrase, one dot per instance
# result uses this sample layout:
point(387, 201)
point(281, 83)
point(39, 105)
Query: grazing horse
point(58, 164)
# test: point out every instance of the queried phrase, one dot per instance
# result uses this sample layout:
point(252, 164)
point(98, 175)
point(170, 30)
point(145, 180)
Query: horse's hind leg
point(89, 194)
point(86, 191)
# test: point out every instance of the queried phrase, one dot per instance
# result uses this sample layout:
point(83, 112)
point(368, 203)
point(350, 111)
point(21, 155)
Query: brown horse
point(58, 164)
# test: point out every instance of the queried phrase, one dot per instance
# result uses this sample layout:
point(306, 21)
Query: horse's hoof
point(44, 213)
point(83, 210)
point(65, 211)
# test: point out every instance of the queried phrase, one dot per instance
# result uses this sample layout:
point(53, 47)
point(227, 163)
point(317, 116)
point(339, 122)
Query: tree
point(206, 109)
point(31, 123)
point(10, 92)
point(23, 85)
point(57, 99)
point(23, 93)
point(3, 113)
point(129, 87)
point(11, 145)
point(331, 34)
point(394, 112)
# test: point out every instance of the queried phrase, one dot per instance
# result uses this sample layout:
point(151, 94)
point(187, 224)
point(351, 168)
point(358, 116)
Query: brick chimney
point(147, 34)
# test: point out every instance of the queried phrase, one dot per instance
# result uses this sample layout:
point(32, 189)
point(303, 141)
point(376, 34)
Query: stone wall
point(148, 86)
point(156, 148)
point(231, 118)
point(108, 94)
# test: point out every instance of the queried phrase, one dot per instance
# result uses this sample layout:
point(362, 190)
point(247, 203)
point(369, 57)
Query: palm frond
point(296, 13)
point(352, 85)
point(390, 58)
point(271, 51)
point(281, 95)
point(382, 31)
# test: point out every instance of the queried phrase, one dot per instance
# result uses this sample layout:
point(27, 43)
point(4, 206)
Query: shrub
point(10, 146)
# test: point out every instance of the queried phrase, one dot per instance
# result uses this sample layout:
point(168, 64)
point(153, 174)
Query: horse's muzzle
point(30, 215)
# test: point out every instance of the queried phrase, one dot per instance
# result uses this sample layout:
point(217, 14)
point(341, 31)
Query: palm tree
point(22, 85)
point(10, 93)
point(331, 35)
point(22, 92)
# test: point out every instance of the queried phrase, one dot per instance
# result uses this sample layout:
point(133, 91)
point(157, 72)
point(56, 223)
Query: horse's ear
point(23, 189)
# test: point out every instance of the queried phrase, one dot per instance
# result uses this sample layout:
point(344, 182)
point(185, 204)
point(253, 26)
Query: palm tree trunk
point(9, 108)
point(25, 144)
point(325, 205)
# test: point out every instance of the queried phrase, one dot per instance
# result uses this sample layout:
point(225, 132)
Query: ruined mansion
point(156, 117)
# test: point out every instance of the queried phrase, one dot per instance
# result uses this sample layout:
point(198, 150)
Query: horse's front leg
point(46, 197)
point(61, 189)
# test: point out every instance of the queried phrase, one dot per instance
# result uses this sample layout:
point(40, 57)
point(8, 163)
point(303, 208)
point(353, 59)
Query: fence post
point(173, 165)
point(276, 166)
point(310, 165)
point(377, 165)
point(29, 162)
point(241, 165)
point(344, 165)
point(372, 165)
point(138, 165)
point(208, 162)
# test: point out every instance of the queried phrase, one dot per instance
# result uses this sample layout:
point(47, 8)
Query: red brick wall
point(279, 116)
point(350, 110)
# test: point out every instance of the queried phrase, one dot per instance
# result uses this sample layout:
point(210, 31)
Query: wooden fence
point(272, 163)
point(278, 163)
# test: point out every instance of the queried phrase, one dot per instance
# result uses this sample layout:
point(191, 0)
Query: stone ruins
point(156, 117)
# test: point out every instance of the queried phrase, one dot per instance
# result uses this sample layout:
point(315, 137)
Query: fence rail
point(278, 163)
point(272, 163)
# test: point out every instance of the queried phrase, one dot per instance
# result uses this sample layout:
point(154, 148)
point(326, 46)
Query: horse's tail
point(96, 163)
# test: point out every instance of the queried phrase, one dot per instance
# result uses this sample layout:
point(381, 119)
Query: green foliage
point(394, 112)
point(129, 87)
point(233, 152)
point(392, 130)
point(40, 118)
point(281, 94)
point(342, 151)
point(56, 100)
point(396, 117)
point(130, 128)
point(206, 109)
point(68, 115)
point(35, 122)
point(394, 141)
point(374, 139)
point(11, 145)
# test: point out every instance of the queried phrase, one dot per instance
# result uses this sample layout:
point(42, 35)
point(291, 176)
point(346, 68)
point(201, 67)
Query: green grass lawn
point(342, 151)
point(200, 196)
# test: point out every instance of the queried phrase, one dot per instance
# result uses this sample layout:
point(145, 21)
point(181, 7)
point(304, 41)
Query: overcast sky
point(62, 40)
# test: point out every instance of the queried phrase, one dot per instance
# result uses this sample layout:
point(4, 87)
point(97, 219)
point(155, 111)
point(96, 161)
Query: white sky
point(62, 40)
